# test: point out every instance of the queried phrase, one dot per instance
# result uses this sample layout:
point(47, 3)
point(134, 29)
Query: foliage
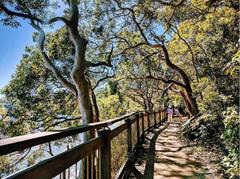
point(34, 96)
point(110, 107)
point(233, 67)
point(231, 140)
point(201, 38)
point(119, 152)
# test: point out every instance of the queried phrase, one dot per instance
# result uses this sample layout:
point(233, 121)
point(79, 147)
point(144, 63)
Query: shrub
point(230, 137)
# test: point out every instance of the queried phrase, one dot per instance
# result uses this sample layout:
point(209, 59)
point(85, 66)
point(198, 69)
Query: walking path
point(167, 156)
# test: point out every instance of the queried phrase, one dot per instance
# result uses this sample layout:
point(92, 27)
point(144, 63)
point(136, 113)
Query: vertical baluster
point(105, 154)
point(160, 117)
point(148, 120)
point(97, 166)
point(142, 128)
point(64, 174)
point(92, 165)
point(88, 167)
point(155, 121)
point(138, 129)
point(129, 136)
point(76, 174)
point(68, 173)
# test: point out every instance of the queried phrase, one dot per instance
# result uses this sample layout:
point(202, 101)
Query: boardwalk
point(166, 156)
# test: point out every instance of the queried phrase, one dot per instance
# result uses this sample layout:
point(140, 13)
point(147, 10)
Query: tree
point(76, 82)
point(133, 84)
point(37, 13)
point(143, 23)
point(206, 49)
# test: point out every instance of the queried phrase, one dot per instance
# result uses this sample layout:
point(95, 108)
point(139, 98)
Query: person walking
point(170, 113)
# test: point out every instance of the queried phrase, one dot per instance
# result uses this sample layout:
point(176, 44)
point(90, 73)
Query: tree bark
point(192, 107)
point(79, 78)
point(95, 106)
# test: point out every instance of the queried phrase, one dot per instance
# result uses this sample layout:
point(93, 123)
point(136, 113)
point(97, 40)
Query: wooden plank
point(138, 130)
point(105, 154)
point(59, 163)
point(129, 136)
point(55, 165)
point(117, 130)
point(25, 141)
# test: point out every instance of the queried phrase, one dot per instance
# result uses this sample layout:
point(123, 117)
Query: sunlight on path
point(172, 158)
point(167, 156)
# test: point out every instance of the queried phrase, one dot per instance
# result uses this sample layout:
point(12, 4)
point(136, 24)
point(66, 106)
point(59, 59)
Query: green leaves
point(230, 137)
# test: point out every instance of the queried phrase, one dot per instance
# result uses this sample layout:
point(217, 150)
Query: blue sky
point(12, 44)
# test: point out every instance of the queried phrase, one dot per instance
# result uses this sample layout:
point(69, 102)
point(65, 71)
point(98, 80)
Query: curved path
point(167, 156)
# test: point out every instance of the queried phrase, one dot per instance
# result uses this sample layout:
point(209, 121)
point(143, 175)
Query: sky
point(13, 42)
point(12, 46)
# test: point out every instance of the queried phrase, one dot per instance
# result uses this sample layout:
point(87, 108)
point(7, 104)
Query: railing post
point(155, 121)
point(98, 164)
point(160, 117)
point(142, 128)
point(105, 154)
point(138, 129)
point(129, 135)
point(164, 115)
point(89, 167)
point(148, 119)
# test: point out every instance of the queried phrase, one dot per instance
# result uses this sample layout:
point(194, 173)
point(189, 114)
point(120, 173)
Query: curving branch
point(41, 41)
point(13, 13)
point(107, 64)
point(175, 29)
point(139, 26)
point(49, 64)
point(65, 119)
point(28, 16)
point(103, 79)
point(173, 66)
point(166, 80)
point(131, 10)
point(172, 4)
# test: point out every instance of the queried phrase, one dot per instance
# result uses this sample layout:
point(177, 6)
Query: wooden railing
point(107, 130)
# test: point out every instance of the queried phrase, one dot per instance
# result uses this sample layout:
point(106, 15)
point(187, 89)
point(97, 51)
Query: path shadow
point(167, 157)
point(150, 155)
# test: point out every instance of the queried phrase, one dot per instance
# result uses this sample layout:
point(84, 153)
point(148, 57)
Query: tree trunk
point(187, 103)
point(79, 78)
point(94, 103)
point(192, 106)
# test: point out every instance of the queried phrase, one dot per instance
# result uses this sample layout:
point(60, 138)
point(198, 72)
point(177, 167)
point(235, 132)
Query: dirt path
point(167, 156)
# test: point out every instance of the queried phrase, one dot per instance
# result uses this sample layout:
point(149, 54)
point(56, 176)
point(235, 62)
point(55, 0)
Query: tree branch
point(28, 16)
point(12, 13)
point(108, 63)
point(172, 4)
point(173, 66)
point(190, 49)
point(60, 122)
point(134, 19)
point(102, 79)
point(49, 63)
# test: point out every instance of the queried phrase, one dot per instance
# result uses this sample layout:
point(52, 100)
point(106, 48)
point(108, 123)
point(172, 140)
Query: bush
point(204, 129)
point(230, 137)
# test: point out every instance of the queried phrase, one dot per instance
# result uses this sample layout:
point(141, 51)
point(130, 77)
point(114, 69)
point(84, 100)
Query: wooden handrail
point(25, 141)
point(59, 163)
point(56, 164)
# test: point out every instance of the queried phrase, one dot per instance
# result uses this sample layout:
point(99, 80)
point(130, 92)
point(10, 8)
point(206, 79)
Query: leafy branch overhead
point(94, 60)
